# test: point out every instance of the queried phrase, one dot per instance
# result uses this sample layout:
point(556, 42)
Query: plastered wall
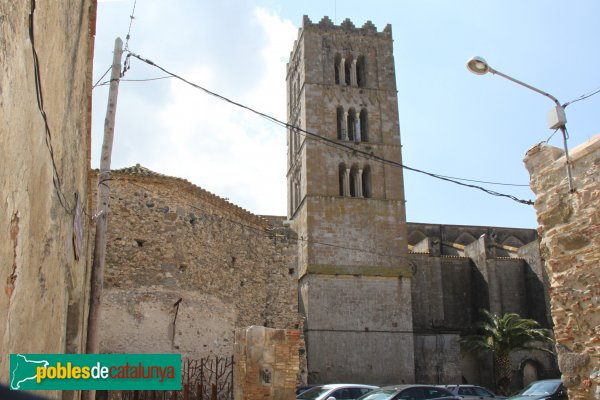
point(44, 191)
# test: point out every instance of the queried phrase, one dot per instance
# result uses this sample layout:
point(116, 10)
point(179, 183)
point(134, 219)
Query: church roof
point(140, 171)
point(137, 169)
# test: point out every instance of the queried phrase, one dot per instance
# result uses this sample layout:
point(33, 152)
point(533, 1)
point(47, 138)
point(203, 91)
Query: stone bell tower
point(348, 208)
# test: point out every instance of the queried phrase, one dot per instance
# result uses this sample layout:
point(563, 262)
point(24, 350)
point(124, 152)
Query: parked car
point(410, 392)
point(303, 388)
point(337, 391)
point(473, 392)
point(549, 389)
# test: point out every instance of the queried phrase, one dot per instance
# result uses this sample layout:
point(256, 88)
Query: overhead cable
point(329, 141)
point(99, 79)
point(582, 97)
point(136, 80)
point(131, 17)
point(269, 232)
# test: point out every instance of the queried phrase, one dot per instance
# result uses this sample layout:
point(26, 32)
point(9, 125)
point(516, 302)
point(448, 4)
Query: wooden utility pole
point(97, 278)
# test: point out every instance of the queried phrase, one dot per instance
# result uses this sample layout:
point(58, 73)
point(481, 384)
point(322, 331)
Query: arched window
point(355, 184)
point(366, 182)
point(364, 130)
point(361, 73)
point(344, 180)
point(337, 63)
point(291, 94)
point(340, 124)
point(351, 124)
point(291, 196)
point(291, 145)
point(297, 192)
point(294, 94)
point(297, 137)
point(348, 70)
point(353, 181)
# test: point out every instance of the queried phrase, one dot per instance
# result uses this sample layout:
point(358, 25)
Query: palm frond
point(506, 334)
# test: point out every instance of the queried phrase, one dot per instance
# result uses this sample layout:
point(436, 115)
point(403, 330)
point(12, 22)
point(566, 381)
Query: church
point(379, 300)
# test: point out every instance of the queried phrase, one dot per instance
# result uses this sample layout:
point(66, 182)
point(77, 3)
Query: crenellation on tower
point(346, 26)
point(369, 27)
point(326, 22)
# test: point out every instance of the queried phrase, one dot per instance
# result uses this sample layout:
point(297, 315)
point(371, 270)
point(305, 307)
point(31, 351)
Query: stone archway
point(530, 371)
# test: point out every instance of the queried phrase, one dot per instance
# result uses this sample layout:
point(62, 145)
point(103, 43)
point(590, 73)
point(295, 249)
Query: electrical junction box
point(557, 118)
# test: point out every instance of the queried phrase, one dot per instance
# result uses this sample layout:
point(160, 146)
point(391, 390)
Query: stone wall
point(266, 364)
point(442, 289)
point(474, 267)
point(459, 270)
point(437, 358)
point(44, 222)
point(185, 268)
point(349, 319)
point(569, 224)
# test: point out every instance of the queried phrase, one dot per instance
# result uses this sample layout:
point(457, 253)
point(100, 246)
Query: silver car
point(336, 391)
point(473, 392)
point(410, 392)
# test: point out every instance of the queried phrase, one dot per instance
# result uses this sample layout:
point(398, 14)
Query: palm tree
point(503, 336)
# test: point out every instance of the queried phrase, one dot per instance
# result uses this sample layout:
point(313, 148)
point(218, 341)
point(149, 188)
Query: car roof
point(406, 386)
point(459, 384)
point(339, 385)
point(546, 380)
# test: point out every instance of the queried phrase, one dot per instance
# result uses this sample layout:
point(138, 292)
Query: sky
point(452, 122)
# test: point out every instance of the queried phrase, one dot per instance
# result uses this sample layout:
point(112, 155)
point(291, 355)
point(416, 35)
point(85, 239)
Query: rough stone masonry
point(185, 268)
point(569, 224)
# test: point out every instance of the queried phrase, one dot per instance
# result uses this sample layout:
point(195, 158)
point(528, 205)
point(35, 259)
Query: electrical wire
point(126, 64)
point(131, 17)
point(136, 80)
point(269, 233)
point(146, 79)
point(56, 181)
point(582, 97)
point(486, 182)
point(550, 137)
point(329, 141)
point(103, 75)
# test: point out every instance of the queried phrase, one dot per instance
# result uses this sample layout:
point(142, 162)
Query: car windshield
point(380, 394)
point(541, 388)
point(313, 393)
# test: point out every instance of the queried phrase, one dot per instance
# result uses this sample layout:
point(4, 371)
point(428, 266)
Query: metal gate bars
point(208, 378)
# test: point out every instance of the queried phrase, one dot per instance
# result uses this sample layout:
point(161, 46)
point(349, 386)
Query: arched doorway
point(530, 372)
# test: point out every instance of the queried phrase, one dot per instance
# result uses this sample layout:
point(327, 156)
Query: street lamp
point(557, 118)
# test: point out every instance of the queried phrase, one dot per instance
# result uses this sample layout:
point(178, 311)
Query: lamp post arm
point(493, 71)
point(479, 66)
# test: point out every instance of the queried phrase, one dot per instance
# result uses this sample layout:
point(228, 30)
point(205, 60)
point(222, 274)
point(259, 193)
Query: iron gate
point(208, 378)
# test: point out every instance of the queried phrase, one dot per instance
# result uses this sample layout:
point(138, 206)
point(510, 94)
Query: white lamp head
point(478, 65)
